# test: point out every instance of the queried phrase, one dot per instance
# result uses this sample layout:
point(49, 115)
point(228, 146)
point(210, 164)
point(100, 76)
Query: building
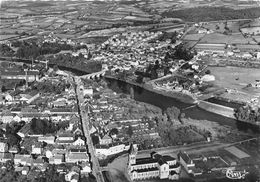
point(30, 76)
point(105, 140)
point(4, 157)
point(111, 149)
point(18, 158)
point(3, 147)
point(46, 139)
point(37, 149)
point(155, 166)
point(186, 162)
point(65, 139)
point(77, 155)
point(79, 142)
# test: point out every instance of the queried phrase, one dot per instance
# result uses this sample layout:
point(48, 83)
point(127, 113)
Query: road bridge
point(94, 75)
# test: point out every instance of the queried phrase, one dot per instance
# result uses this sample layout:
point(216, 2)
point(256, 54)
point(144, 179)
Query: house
point(18, 158)
point(7, 117)
point(3, 147)
point(4, 157)
point(186, 162)
point(60, 103)
point(25, 170)
point(113, 148)
point(18, 169)
point(65, 139)
point(76, 129)
point(25, 130)
point(29, 98)
point(85, 167)
point(155, 166)
point(37, 148)
point(39, 162)
point(77, 155)
point(57, 159)
point(14, 150)
point(71, 176)
point(26, 161)
point(88, 91)
point(47, 139)
point(17, 118)
point(9, 97)
point(105, 140)
point(79, 142)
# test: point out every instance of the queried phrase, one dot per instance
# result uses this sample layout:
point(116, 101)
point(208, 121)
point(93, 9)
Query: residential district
point(121, 91)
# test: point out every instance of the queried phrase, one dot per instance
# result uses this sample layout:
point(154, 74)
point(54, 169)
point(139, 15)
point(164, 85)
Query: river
point(164, 102)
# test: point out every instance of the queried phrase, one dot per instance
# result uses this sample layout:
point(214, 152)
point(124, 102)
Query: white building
point(164, 167)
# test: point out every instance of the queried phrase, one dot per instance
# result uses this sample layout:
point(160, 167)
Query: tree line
point(247, 114)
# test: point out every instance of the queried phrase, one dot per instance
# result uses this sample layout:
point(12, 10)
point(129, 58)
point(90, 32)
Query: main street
point(96, 170)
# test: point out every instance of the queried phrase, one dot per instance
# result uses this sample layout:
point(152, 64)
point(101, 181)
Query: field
point(216, 38)
point(4, 37)
point(193, 37)
point(237, 152)
point(220, 27)
point(257, 38)
point(251, 30)
point(235, 77)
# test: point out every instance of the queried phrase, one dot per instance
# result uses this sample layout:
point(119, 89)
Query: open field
point(237, 152)
point(193, 37)
point(227, 39)
point(251, 30)
point(257, 38)
point(4, 37)
point(235, 77)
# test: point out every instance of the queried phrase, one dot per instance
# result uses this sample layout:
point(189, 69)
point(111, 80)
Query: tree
point(13, 139)
point(207, 72)
point(95, 139)
point(39, 126)
point(139, 79)
point(114, 131)
point(172, 114)
point(130, 130)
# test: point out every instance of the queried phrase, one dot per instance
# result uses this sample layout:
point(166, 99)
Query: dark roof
point(78, 150)
point(185, 157)
point(145, 161)
point(146, 170)
point(174, 166)
point(173, 172)
point(168, 158)
point(161, 161)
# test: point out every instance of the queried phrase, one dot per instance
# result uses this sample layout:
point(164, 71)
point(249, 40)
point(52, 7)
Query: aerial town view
point(130, 90)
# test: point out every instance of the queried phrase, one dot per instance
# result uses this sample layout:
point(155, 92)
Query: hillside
point(201, 14)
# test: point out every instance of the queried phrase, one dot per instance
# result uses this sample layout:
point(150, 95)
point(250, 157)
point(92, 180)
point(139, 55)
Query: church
point(155, 166)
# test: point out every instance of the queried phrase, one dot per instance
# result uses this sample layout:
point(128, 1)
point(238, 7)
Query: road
point(195, 147)
point(96, 170)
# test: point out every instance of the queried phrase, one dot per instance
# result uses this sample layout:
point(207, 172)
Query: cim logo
point(231, 174)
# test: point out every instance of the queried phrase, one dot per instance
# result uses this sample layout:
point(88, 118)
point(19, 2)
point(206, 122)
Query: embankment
point(217, 109)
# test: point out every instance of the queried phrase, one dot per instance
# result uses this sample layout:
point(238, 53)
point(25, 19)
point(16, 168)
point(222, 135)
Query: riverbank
point(182, 97)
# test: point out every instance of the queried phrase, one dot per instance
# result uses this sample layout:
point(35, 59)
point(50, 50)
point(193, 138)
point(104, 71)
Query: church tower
point(132, 155)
